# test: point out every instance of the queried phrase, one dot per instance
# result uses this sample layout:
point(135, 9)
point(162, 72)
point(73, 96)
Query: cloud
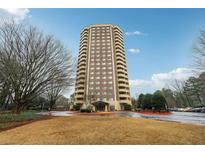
point(134, 33)
point(12, 13)
point(160, 80)
point(134, 50)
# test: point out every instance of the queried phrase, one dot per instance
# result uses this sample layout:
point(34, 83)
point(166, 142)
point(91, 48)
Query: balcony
point(84, 42)
point(117, 44)
point(116, 29)
point(127, 101)
point(119, 35)
point(80, 71)
point(82, 55)
point(80, 91)
point(79, 96)
point(118, 38)
point(121, 59)
point(84, 46)
point(82, 59)
point(121, 67)
point(120, 54)
point(83, 38)
point(123, 85)
point(82, 64)
point(122, 80)
point(122, 64)
point(80, 86)
point(82, 52)
point(122, 75)
point(125, 96)
point(84, 32)
point(118, 47)
point(81, 77)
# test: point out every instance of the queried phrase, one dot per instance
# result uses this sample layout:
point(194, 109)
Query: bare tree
point(199, 53)
point(182, 99)
point(31, 62)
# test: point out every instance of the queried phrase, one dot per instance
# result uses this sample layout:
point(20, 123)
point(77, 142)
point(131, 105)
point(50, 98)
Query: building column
point(106, 108)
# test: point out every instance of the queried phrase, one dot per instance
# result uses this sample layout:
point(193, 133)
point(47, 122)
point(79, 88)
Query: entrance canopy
point(100, 105)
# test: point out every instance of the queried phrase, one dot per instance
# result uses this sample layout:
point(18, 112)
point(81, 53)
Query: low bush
point(76, 107)
point(85, 110)
point(127, 107)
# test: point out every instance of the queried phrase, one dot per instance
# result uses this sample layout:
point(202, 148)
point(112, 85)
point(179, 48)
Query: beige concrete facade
point(102, 70)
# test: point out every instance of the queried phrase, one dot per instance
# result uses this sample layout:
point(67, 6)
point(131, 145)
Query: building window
point(97, 77)
point(110, 77)
point(104, 88)
point(110, 82)
point(97, 88)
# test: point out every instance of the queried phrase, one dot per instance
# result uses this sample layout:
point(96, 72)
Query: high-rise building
point(102, 78)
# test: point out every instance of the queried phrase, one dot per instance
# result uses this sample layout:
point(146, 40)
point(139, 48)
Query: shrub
point(85, 110)
point(76, 107)
point(127, 107)
point(158, 101)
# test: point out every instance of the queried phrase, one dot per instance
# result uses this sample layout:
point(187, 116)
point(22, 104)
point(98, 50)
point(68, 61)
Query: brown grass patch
point(104, 130)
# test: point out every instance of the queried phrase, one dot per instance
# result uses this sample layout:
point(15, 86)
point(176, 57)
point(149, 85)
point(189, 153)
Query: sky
point(158, 42)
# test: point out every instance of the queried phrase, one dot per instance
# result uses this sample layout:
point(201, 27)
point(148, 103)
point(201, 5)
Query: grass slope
point(104, 130)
